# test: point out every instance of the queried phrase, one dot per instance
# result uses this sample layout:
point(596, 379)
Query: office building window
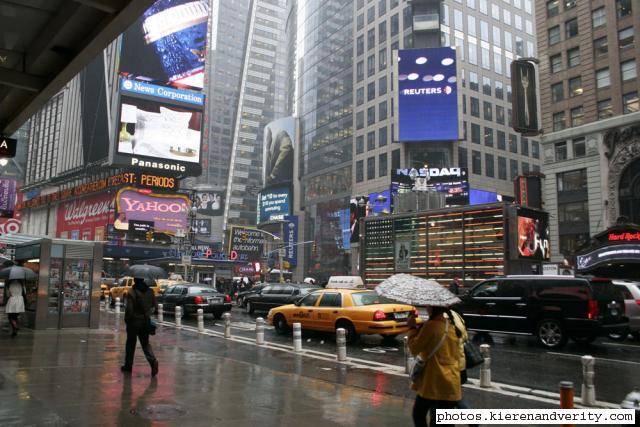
point(371, 65)
point(486, 85)
point(554, 35)
point(464, 130)
point(486, 60)
point(484, 30)
point(577, 116)
point(488, 137)
point(393, 4)
point(371, 39)
point(623, 7)
point(382, 136)
point(395, 25)
point(473, 54)
point(497, 38)
point(599, 17)
point(371, 15)
point(579, 147)
point(360, 45)
point(600, 46)
point(571, 28)
point(360, 71)
point(484, 7)
point(371, 115)
point(573, 212)
point(463, 161)
point(382, 85)
point(559, 121)
point(359, 171)
point(556, 63)
point(553, 8)
point(605, 109)
point(487, 109)
point(524, 146)
point(371, 91)
point(575, 180)
point(506, 16)
point(464, 104)
point(395, 159)
point(497, 63)
point(475, 133)
point(383, 168)
point(560, 151)
point(502, 168)
point(535, 149)
point(360, 4)
point(473, 81)
point(476, 162)
point(407, 17)
point(508, 93)
point(360, 21)
point(630, 103)
point(475, 107)
point(603, 79)
point(502, 140)
point(360, 96)
point(382, 7)
point(513, 143)
point(557, 92)
point(495, 12)
point(471, 25)
point(382, 59)
point(628, 70)
point(382, 110)
point(457, 20)
point(489, 169)
point(513, 169)
point(499, 114)
point(509, 116)
point(371, 168)
point(360, 120)
point(625, 38)
point(525, 168)
point(371, 141)
point(359, 144)
point(573, 57)
point(499, 90)
point(382, 32)
point(575, 86)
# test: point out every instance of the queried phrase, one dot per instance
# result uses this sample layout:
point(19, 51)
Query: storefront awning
point(614, 253)
point(18, 239)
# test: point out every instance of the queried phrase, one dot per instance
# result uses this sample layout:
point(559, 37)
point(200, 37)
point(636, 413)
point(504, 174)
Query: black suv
point(277, 294)
point(553, 308)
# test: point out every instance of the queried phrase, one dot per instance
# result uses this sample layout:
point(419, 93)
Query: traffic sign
point(186, 259)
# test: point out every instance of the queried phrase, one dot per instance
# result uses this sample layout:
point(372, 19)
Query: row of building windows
point(383, 166)
point(490, 165)
point(501, 141)
point(384, 111)
point(383, 140)
point(630, 104)
point(575, 148)
point(483, 6)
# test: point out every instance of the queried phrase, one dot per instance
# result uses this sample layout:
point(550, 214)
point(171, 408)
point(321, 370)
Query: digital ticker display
point(427, 95)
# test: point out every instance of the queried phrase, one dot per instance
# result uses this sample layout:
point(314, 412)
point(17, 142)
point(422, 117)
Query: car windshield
point(202, 291)
point(369, 298)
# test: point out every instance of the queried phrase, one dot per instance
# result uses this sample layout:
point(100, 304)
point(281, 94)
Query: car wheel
point(280, 324)
point(584, 340)
point(249, 308)
point(551, 333)
point(239, 302)
point(618, 337)
point(350, 331)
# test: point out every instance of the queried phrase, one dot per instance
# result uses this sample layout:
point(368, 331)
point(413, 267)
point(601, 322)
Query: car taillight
point(379, 315)
point(227, 298)
point(198, 300)
point(416, 313)
point(638, 301)
point(592, 311)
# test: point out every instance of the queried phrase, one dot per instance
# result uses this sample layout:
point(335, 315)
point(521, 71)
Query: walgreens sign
point(86, 218)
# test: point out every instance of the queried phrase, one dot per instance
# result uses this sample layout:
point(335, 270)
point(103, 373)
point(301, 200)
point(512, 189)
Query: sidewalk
point(73, 378)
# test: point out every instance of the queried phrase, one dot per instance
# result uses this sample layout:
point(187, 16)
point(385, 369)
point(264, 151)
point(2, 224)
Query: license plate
point(215, 300)
point(401, 316)
point(614, 312)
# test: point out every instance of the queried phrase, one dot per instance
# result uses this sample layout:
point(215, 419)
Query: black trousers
point(134, 333)
point(422, 407)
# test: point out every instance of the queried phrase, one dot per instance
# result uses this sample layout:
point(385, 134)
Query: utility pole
point(281, 251)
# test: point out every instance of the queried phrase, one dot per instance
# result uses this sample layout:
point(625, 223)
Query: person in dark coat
point(140, 305)
point(454, 287)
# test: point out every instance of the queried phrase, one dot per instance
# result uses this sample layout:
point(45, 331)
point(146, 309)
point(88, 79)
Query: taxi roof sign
point(345, 282)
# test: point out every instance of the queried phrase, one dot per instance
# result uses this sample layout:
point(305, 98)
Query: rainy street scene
point(320, 212)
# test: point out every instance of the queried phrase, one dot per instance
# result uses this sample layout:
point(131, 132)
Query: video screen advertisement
point(453, 182)
point(210, 203)
point(274, 204)
point(427, 97)
point(167, 213)
point(532, 235)
point(278, 146)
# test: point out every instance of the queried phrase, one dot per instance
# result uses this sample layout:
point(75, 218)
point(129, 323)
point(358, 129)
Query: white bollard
point(118, 305)
point(178, 316)
point(341, 344)
point(485, 369)
point(200, 320)
point(227, 324)
point(408, 358)
point(260, 331)
point(588, 394)
point(297, 337)
point(160, 313)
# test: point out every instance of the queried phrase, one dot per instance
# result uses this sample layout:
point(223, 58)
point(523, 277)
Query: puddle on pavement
point(161, 411)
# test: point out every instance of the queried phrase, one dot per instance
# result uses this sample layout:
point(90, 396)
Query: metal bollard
point(408, 358)
point(566, 397)
point(297, 337)
point(227, 324)
point(588, 392)
point(260, 331)
point(200, 320)
point(118, 305)
point(178, 316)
point(341, 344)
point(485, 369)
point(160, 313)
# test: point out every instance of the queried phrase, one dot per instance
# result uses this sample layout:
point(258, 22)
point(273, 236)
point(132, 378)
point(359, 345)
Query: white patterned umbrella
point(416, 291)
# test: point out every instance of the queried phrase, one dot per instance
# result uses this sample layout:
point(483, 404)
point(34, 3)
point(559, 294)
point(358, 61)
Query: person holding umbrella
point(15, 304)
point(141, 302)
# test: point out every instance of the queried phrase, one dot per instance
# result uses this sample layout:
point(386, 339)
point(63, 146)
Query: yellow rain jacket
point(441, 376)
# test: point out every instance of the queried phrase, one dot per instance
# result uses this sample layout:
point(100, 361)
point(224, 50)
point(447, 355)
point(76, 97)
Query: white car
point(631, 292)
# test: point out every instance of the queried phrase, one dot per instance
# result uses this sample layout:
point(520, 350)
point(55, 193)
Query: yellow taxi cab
point(122, 286)
point(358, 311)
point(163, 284)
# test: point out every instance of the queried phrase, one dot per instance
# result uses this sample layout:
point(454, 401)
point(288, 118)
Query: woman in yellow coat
point(439, 385)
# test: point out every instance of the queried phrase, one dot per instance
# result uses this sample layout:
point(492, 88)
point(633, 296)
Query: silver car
point(631, 292)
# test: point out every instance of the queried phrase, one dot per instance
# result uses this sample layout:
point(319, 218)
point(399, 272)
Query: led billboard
point(279, 142)
point(168, 213)
point(8, 191)
point(453, 182)
point(210, 203)
point(167, 45)
point(274, 204)
point(533, 235)
point(427, 95)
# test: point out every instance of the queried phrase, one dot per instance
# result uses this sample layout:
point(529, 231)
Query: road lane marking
point(612, 344)
point(597, 358)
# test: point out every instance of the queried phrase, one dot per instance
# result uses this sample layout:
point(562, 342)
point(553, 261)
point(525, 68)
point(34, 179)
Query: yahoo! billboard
point(169, 213)
point(427, 95)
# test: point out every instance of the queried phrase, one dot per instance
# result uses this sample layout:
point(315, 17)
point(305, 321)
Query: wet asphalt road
point(515, 361)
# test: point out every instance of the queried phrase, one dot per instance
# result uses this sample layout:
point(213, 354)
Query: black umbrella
point(150, 273)
point(17, 273)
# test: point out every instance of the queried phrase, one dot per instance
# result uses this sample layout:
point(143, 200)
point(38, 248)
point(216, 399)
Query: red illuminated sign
point(624, 237)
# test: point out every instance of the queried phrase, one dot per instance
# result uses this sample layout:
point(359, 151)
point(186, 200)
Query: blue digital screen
point(479, 197)
point(273, 204)
point(427, 95)
point(380, 203)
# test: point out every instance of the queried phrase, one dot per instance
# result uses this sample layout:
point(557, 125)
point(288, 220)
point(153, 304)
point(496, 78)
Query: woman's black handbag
point(472, 355)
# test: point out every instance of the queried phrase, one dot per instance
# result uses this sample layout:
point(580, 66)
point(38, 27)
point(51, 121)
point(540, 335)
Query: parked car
point(357, 311)
point(553, 308)
point(191, 297)
point(631, 294)
point(277, 294)
point(241, 298)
